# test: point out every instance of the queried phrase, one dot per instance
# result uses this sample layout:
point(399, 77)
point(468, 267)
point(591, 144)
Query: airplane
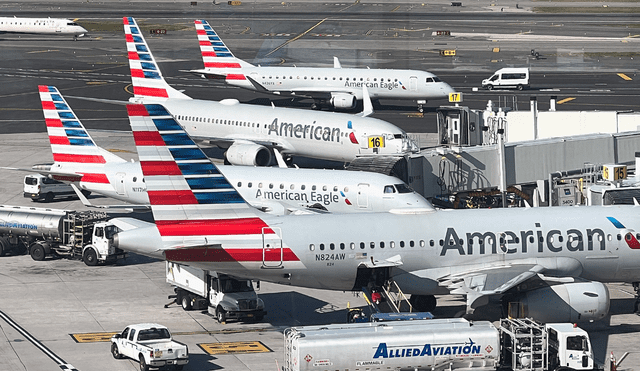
point(552, 261)
point(250, 132)
point(58, 26)
point(336, 87)
point(92, 169)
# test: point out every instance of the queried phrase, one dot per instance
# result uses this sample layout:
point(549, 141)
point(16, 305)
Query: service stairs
point(393, 300)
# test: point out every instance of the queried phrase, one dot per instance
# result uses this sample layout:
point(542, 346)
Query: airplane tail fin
point(70, 141)
point(146, 77)
point(185, 188)
point(215, 54)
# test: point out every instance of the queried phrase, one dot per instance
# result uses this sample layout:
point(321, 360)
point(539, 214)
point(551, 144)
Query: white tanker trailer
point(64, 233)
point(438, 344)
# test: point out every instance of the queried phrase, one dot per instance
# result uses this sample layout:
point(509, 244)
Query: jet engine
point(343, 100)
point(568, 302)
point(248, 153)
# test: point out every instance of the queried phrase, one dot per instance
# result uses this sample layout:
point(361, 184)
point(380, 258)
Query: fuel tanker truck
point(45, 232)
point(438, 344)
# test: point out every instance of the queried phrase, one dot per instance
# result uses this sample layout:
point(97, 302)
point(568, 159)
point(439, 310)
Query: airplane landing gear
point(421, 104)
point(636, 305)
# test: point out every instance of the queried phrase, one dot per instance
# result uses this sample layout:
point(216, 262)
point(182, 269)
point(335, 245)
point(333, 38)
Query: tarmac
point(72, 309)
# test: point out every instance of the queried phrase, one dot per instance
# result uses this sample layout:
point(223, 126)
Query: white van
point(508, 78)
point(39, 187)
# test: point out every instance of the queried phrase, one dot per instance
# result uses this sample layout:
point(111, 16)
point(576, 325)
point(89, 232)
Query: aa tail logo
point(146, 77)
point(216, 56)
point(191, 200)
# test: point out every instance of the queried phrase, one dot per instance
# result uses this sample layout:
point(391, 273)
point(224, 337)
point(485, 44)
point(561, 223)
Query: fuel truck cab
point(517, 78)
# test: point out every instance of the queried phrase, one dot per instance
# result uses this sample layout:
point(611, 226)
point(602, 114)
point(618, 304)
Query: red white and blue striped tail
point(182, 182)
point(146, 77)
point(216, 56)
point(70, 141)
point(199, 215)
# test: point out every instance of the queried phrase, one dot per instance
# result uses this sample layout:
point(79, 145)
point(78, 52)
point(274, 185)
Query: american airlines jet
point(336, 87)
point(78, 160)
point(58, 26)
point(250, 132)
point(553, 261)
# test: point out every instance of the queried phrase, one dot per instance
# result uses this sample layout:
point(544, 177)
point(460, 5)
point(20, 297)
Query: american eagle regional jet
point(56, 26)
point(337, 87)
point(250, 132)
point(552, 260)
point(78, 160)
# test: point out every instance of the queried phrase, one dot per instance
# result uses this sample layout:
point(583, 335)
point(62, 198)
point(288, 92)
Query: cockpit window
point(436, 79)
point(389, 189)
point(430, 79)
point(403, 188)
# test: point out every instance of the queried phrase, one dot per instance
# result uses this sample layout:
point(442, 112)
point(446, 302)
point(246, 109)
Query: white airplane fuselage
point(380, 83)
point(323, 135)
point(325, 251)
point(58, 26)
point(276, 190)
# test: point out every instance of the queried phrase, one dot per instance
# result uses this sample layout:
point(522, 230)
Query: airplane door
point(272, 254)
point(120, 184)
point(413, 83)
point(363, 195)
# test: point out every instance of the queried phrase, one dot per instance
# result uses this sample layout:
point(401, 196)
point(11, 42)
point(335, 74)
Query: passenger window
point(346, 189)
point(335, 188)
point(372, 244)
point(313, 188)
point(270, 185)
point(362, 245)
point(401, 243)
point(292, 186)
point(353, 245)
point(411, 244)
point(239, 184)
point(422, 244)
point(382, 244)
point(321, 247)
point(303, 187)
point(259, 185)
point(341, 246)
point(392, 244)
point(249, 184)
point(312, 247)
point(281, 186)
point(324, 188)
point(332, 246)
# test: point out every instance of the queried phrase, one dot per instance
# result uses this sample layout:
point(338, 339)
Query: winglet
point(336, 62)
point(367, 106)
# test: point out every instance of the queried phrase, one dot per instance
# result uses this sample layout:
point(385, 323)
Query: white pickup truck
point(151, 345)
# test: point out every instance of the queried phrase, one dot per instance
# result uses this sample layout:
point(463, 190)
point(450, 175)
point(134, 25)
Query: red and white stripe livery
point(199, 216)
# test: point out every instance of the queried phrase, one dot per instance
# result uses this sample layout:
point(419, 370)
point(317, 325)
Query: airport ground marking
point(625, 77)
point(565, 100)
point(235, 347)
point(97, 337)
point(61, 363)
point(295, 38)
point(92, 337)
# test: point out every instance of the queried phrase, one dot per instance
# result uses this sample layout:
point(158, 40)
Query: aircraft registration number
point(376, 142)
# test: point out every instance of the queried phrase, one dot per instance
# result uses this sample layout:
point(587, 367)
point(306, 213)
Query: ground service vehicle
point(72, 234)
point(224, 296)
point(151, 344)
point(438, 344)
point(508, 78)
point(39, 187)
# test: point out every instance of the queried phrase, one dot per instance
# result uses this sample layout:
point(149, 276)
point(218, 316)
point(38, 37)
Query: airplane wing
point(127, 207)
point(71, 177)
point(482, 284)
